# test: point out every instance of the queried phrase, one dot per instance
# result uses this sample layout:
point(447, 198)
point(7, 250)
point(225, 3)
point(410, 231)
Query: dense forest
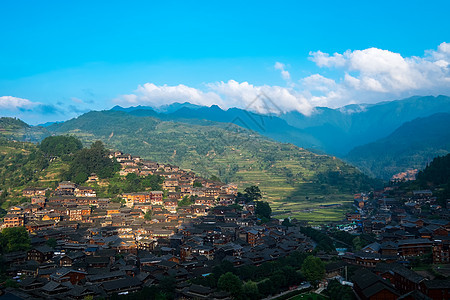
point(57, 158)
point(437, 176)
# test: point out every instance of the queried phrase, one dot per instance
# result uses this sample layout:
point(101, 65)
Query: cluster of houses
point(406, 225)
point(83, 245)
point(101, 261)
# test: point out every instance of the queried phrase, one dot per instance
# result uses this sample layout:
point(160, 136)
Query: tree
point(60, 145)
point(263, 209)
point(197, 184)
point(214, 178)
point(167, 286)
point(186, 201)
point(337, 291)
point(357, 244)
point(51, 242)
point(286, 223)
point(91, 160)
point(15, 239)
point(148, 215)
point(230, 283)
point(252, 193)
point(250, 291)
point(313, 269)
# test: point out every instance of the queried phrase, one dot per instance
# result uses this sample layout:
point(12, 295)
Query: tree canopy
point(91, 160)
point(252, 193)
point(14, 239)
point(263, 209)
point(60, 145)
point(313, 269)
point(230, 283)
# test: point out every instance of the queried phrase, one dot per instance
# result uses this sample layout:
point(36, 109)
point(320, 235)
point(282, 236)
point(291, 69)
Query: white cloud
point(12, 103)
point(360, 76)
point(373, 75)
point(318, 82)
point(153, 95)
point(262, 99)
point(281, 67)
point(325, 60)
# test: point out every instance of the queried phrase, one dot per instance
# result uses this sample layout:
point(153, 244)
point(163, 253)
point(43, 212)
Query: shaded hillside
point(412, 145)
point(267, 125)
point(334, 131)
point(16, 129)
point(340, 130)
point(231, 152)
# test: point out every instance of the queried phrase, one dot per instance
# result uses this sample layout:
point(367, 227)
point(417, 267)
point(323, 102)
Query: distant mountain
point(334, 131)
point(233, 153)
point(412, 145)
point(16, 129)
point(46, 124)
point(340, 130)
point(168, 108)
point(269, 126)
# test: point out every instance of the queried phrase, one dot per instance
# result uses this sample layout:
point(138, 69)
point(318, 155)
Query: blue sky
point(61, 58)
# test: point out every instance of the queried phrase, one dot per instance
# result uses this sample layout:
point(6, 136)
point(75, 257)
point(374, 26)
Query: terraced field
point(292, 179)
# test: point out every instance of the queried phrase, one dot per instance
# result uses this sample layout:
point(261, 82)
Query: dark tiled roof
point(376, 288)
point(416, 295)
point(121, 283)
point(407, 273)
point(437, 284)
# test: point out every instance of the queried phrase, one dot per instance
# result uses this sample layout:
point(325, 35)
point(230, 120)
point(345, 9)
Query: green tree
point(286, 223)
point(15, 239)
point(263, 209)
point(357, 244)
point(313, 269)
point(337, 291)
point(186, 201)
point(167, 286)
point(230, 283)
point(148, 215)
point(197, 184)
point(51, 242)
point(92, 160)
point(214, 178)
point(60, 145)
point(252, 193)
point(250, 291)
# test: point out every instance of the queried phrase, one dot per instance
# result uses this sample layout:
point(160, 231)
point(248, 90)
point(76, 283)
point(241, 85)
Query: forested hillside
point(412, 145)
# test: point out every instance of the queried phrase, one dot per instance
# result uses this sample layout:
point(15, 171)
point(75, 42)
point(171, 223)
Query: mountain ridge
point(413, 144)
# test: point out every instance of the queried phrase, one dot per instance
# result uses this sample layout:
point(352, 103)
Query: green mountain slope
point(16, 129)
point(283, 171)
point(412, 145)
point(340, 130)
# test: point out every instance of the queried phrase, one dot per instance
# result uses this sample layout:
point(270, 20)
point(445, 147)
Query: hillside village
point(83, 245)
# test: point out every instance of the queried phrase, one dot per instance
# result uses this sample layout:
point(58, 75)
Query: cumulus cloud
point(262, 99)
point(34, 112)
point(13, 103)
point(151, 94)
point(281, 67)
point(359, 76)
point(373, 75)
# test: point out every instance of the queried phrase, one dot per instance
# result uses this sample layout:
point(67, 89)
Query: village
point(86, 246)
